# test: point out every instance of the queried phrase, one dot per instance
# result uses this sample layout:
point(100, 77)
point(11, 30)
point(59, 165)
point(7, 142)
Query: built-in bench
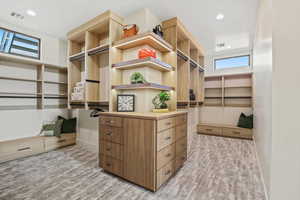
point(19, 148)
point(224, 130)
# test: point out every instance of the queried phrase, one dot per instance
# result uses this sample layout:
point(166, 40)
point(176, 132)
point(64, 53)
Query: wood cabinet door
point(139, 151)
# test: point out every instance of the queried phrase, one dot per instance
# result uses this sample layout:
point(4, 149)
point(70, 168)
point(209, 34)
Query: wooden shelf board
point(55, 95)
point(238, 97)
point(228, 87)
point(148, 38)
point(213, 104)
point(20, 93)
point(153, 86)
point(193, 63)
point(238, 105)
point(98, 50)
point(19, 59)
point(145, 62)
point(201, 69)
point(56, 82)
point(77, 57)
point(19, 79)
point(214, 88)
point(182, 55)
point(55, 106)
point(56, 67)
point(213, 97)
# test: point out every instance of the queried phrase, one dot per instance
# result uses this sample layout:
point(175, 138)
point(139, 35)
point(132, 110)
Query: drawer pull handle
point(108, 149)
point(168, 155)
point(109, 133)
point(168, 172)
point(236, 132)
point(168, 138)
point(23, 149)
point(61, 141)
point(208, 129)
point(107, 164)
point(110, 121)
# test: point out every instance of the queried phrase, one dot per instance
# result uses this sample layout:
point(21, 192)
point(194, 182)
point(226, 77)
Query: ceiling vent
point(17, 15)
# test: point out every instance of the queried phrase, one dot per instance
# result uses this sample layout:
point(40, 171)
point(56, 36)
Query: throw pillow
point(245, 121)
point(48, 130)
point(69, 125)
point(58, 127)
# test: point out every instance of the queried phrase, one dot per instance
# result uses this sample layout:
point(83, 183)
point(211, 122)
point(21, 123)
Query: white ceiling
point(57, 17)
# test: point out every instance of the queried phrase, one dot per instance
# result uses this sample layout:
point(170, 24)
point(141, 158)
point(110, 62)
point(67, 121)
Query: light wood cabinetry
point(150, 152)
point(31, 84)
point(19, 148)
point(230, 90)
point(225, 130)
point(189, 63)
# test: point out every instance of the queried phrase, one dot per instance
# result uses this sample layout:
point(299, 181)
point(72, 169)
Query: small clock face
point(125, 103)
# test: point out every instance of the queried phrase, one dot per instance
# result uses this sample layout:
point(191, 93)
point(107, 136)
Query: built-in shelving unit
point(26, 82)
point(190, 62)
point(89, 63)
point(231, 90)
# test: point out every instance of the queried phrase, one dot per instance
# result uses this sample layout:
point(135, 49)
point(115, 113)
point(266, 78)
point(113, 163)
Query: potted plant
point(136, 78)
point(159, 102)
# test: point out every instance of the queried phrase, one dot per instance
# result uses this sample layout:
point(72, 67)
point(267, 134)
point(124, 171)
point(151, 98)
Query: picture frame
point(125, 103)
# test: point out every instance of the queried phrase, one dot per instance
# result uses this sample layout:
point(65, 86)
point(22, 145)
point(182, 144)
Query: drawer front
point(165, 138)
point(165, 155)
point(52, 143)
point(165, 124)
point(111, 134)
point(180, 159)
point(165, 173)
point(11, 150)
point(111, 149)
point(181, 146)
point(181, 119)
point(210, 130)
point(111, 165)
point(181, 131)
point(236, 132)
point(111, 121)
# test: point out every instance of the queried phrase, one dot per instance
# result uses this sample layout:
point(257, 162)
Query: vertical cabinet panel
point(139, 151)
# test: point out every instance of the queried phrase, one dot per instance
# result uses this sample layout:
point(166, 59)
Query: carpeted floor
point(217, 169)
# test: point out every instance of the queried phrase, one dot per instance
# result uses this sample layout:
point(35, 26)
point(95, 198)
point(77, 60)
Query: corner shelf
point(148, 38)
point(153, 86)
point(146, 62)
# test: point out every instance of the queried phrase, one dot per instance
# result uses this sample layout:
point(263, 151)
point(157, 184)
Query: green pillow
point(48, 130)
point(245, 121)
point(69, 125)
point(58, 127)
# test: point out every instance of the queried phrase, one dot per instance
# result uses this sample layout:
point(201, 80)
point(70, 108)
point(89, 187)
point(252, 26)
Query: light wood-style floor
point(217, 169)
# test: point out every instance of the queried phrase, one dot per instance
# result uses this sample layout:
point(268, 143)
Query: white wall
point(285, 163)
point(25, 123)
point(262, 69)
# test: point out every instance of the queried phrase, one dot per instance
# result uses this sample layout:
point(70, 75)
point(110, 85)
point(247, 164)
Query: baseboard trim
point(260, 169)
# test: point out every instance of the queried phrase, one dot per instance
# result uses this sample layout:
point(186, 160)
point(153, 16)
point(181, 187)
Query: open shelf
point(193, 63)
point(146, 62)
point(77, 57)
point(153, 86)
point(19, 79)
point(98, 50)
point(56, 82)
point(148, 38)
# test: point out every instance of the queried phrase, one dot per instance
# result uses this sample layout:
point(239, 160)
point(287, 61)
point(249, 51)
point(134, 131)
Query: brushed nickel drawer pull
point(23, 149)
point(61, 141)
point(109, 133)
point(236, 132)
point(208, 129)
point(168, 155)
point(168, 138)
point(168, 172)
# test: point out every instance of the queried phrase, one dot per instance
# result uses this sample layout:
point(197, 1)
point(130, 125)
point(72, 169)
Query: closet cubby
point(24, 83)
point(230, 90)
point(190, 73)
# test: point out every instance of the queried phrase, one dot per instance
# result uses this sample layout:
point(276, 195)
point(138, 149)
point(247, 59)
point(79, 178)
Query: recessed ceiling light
point(229, 47)
point(220, 17)
point(31, 13)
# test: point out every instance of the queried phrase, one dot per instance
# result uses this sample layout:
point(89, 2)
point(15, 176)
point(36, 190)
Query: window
point(232, 62)
point(19, 44)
